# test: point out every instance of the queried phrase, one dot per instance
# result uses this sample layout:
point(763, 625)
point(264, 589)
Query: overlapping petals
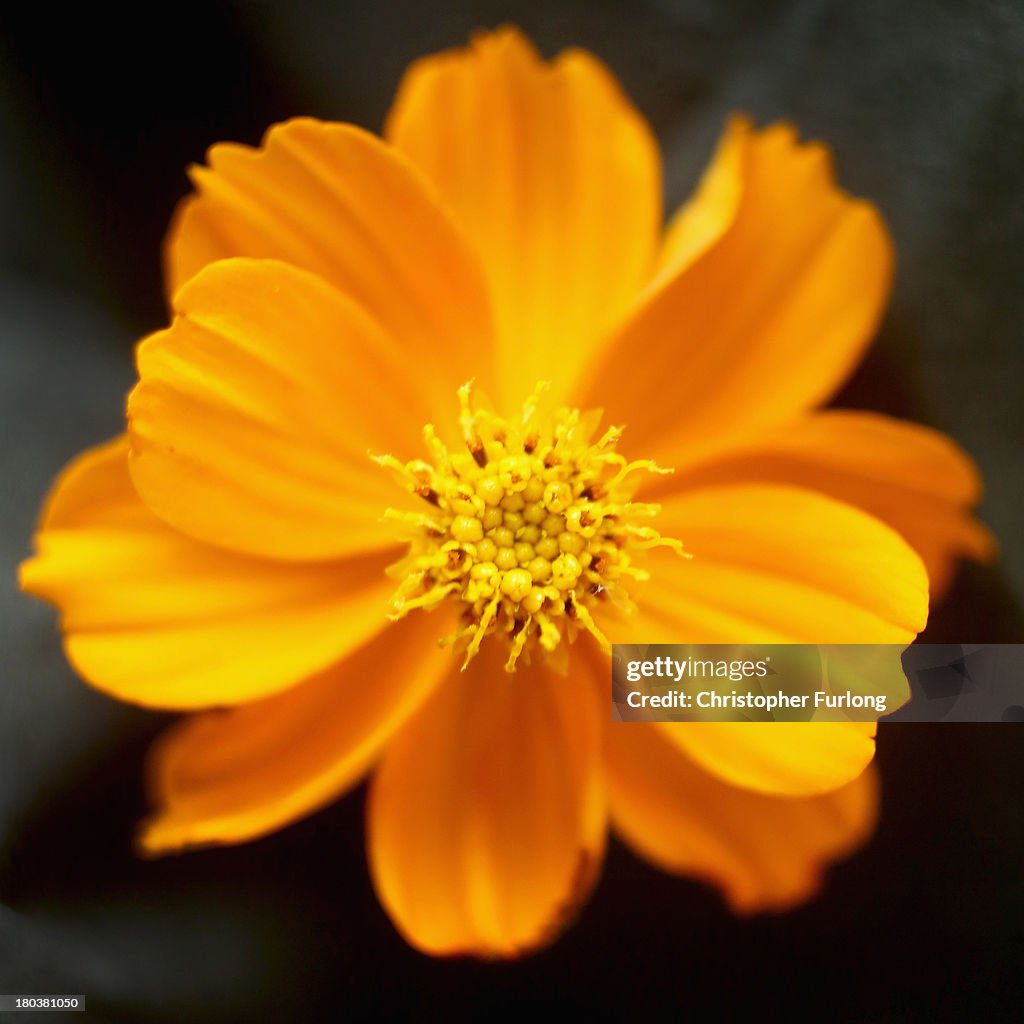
point(256, 409)
point(230, 775)
point(156, 618)
point(556, 179)
point(770, 318)
point(764, 852)
point(778, 564)
point(913, 478)
point(334, 200)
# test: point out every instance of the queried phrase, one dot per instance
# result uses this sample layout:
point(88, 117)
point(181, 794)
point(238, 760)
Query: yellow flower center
point(529, 529)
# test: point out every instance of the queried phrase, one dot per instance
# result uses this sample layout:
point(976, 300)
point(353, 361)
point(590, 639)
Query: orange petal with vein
point(153, 617)
point(486, 817)
point(229, 776)
point(556, 178)
point(913, 478)
point(335, 200)
point(774, 564)
point(256, 411)
point(767, 322)
point(763, 852)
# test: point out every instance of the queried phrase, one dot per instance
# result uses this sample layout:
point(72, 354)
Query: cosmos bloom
point(398, 471)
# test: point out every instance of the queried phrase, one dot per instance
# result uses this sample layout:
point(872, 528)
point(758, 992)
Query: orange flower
point(239, 555)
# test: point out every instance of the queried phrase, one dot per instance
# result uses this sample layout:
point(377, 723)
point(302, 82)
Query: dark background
point(923, 103)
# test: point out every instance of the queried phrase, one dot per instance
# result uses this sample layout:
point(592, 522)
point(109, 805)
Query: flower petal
point(486, 817)
point(774, 564)
point(914, 479)
point(231, 775)
point(778, 758)
point(255, 411)
point(335, 200)
point(556, 178)
point(153, 617)
point(766, 323)
point(777, 564)
point(702, 220)
point(764, 852)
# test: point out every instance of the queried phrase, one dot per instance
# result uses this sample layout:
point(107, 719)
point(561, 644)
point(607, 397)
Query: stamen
point(521, 635)
point(584, 616)
point(531, 530)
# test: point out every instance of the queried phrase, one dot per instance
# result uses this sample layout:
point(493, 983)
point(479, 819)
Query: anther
point(427, 493)
point(479, 453)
